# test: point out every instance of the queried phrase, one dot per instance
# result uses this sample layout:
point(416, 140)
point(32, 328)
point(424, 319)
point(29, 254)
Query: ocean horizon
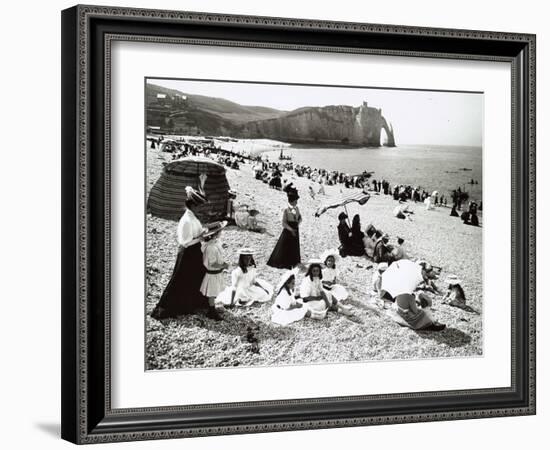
point(432, 167)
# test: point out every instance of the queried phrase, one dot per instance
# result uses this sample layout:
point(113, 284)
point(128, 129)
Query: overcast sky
point(418, 117)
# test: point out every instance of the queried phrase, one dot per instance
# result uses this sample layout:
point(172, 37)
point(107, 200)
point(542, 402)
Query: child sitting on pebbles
point(314, 296)
point(287, 308)
point(377, 284)
point(245, 288)
point(331, 276)
point(455, 294)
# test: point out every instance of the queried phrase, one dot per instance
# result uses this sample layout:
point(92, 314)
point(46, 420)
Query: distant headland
point(174, 112)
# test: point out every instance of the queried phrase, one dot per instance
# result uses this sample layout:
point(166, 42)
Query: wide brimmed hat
point(253, 212)
point(194, 195)
point(215, 227)
point(286, 276)
point(246, 251)
point(382, 266)
point(331, 252)
point(453, 280)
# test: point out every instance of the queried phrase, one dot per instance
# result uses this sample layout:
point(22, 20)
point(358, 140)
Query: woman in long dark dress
point(344, 235)
point(286, 253)
point(357, 244)
point(182, 293)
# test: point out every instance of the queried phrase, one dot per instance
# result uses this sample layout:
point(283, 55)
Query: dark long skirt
point(286, 253)
point(182, 293)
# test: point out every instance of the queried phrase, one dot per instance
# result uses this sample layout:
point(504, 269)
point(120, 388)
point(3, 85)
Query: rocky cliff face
point(361, 126)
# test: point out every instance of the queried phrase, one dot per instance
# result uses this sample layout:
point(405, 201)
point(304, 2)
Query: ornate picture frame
point(88, 33)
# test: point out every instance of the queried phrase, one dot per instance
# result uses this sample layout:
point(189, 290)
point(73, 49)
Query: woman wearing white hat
point(245, 287)
point(331, 275)
point(287, 309)
point(182, 293)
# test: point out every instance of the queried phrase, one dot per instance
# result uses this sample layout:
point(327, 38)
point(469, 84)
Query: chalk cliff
point(341, 124)
point(171, 111)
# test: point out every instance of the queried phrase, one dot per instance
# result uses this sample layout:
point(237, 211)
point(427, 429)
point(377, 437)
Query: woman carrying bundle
point(182, 293)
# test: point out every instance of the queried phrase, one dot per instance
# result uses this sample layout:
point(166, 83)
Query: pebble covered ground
point(247, 337)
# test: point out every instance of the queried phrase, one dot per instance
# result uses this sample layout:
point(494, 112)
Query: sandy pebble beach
point(196, 341)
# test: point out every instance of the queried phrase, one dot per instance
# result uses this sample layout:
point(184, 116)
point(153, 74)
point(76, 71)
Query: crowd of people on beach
point(399, 285)
point(272, 173)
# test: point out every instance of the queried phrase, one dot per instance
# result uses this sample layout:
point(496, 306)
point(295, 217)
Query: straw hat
point(214, 228)
point(285, 277)
point(331, 252)
point(246, 251)
point(382, 266)
point(453, 280)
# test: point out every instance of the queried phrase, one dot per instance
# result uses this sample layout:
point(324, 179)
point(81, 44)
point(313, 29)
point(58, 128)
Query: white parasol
point(402, 277)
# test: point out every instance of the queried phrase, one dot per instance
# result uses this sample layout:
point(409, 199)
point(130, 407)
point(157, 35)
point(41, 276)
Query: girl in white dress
point(214, 280)
point(245, 287)
point(287, 309)
point(313, 295)
point(331, 276)
point(318, 299)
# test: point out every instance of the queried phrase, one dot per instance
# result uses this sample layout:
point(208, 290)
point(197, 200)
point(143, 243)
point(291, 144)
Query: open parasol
point(361, 197)
point(402, 277)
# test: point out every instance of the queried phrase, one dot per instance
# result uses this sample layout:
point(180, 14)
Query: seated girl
point(287, 309)
point(369, 241)
point(331, 276)
point(314, 296)
point(245, 287)
point(455, 294)
point(377, 285)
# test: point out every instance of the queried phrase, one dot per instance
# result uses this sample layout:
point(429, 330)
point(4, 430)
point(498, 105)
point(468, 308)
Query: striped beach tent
point(167, 196)
point(360, 197)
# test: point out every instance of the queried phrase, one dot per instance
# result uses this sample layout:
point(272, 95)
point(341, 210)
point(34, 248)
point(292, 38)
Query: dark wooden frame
point(87, 32)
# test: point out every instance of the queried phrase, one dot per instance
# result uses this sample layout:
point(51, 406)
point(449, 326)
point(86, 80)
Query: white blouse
point(311, 288)
point(240, 279)
point(212, 255)
point(285, 300)
point(189, 229)
point(330, 275)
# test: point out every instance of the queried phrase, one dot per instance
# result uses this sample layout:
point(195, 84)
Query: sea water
point(432, 167)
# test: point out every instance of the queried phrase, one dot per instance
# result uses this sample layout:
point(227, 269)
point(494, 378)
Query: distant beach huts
point(167, 196)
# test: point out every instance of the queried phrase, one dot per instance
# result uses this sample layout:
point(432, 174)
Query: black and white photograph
point(300, 224)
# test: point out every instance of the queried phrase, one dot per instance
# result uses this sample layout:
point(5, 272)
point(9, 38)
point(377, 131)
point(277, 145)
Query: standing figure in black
point(182, 293)
point(286, 253)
